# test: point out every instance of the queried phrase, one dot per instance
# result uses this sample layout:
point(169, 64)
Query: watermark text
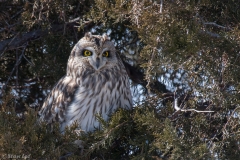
point(16, 156)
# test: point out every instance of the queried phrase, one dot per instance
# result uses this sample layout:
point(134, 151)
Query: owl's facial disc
point(95, 59)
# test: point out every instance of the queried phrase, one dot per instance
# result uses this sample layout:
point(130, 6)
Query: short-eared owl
point(96, 82)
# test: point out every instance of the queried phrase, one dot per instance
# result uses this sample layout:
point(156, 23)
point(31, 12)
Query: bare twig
point(18, 13)
point(8, 27)
point(229, 118)
point(186, 110)
point(214, 35)
point(148, 76)
point(16, 84)
point(16, 65)
point(216, 25)
point(74, 20)
point(30, 62)
point(161, 5)
point(205, 31)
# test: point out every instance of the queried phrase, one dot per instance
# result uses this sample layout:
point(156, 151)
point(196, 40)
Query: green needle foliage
point(179, 54)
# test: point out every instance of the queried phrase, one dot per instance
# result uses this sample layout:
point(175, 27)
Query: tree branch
point(22, 38)
point(186, 110)
point(137, 76)
point(15, 66)
point(215, 24)
point(211, 34)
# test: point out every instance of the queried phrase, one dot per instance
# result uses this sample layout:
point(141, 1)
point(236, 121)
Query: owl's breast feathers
point(55, 105)
point(80, 98)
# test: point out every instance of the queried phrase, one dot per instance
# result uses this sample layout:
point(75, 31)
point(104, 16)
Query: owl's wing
point(55, 106)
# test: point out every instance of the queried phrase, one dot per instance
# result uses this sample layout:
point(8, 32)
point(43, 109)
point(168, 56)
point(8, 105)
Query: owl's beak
point(97, 62)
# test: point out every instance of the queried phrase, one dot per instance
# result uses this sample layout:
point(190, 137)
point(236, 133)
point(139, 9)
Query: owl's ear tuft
point(73, 52)
point(88, 35)
point(105, 37)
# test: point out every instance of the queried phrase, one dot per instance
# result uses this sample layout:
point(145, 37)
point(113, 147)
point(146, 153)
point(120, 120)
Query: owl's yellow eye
point(87, 53)
point(106, 54)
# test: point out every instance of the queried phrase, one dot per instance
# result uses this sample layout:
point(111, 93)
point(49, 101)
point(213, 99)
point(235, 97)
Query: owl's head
point(95, 51)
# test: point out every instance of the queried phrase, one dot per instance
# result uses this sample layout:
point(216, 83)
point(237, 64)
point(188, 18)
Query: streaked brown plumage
point(96, 82)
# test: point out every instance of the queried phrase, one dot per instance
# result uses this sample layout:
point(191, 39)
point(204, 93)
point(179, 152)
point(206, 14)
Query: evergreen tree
point(182, 60)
